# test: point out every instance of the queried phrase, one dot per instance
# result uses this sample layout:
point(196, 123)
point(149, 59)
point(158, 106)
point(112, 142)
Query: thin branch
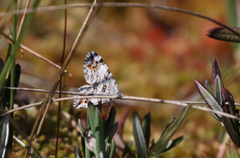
point(132, 98)
point(23, 17)
point(8, 39)
point(48, 99)
point(137, 5)
point(60, 84)
point(85, 96)
point(42, 57)
point(22, 144)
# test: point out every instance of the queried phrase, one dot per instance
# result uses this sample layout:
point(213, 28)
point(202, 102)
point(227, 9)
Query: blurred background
point(150, 52)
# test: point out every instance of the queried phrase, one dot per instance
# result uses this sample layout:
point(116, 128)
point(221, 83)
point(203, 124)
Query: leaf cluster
point(98, 136)
point(219, 98)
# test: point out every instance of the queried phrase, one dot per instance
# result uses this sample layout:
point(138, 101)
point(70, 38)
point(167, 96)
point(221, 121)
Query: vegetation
point(152, 51)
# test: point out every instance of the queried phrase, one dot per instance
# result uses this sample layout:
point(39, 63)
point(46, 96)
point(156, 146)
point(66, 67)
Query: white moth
point(100, 79)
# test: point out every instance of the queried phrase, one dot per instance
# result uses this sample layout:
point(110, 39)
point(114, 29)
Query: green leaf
point(139, 137)
point(146, 127)
point(208, 86)
point(230, 127)
point(88, 153)
point(218, 89)
point(111, 133)
point(113, 150)
point(96, 124)
point(15, 45)
point(4, 126)
point(223, 34)
point(163, 143)
point(218, 82)
point(93, 117)
point(168, 125)
point(230, 100)
point(110, 121)
point(210, 100)
point(174, 143)
point(232, 109)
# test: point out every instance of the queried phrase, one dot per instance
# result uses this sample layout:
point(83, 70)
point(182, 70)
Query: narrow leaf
point(4, 126)
point(230, 100)
point(216, 71)
point(113, 150)
point(88, 153)
point(174, 143)
point(15, 46)
point(229, 126)
point(146, 127)
point(208, 86)
point(111, 133)
point(168, 125)
point(139, 137)
point(163, 142)
point(218, 89)
point(223, 34)
point(110, 120)
point(209, 99)
point(97, 128)
point(92, 117)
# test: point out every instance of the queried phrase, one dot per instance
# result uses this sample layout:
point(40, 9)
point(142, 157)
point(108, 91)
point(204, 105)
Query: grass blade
point(163, 143)
point(139, 137)
point(110, 121)
point(111, 133)
point(4, 126)
point(147, 128)
point(113, 150)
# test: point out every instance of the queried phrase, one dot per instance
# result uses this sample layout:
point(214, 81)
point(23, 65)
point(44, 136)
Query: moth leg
point(115, 103)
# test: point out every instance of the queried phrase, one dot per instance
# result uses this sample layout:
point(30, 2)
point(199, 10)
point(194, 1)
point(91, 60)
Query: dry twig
point(132, 98)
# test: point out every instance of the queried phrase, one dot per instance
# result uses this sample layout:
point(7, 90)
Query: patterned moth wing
point(83, 103)
point(101, 81)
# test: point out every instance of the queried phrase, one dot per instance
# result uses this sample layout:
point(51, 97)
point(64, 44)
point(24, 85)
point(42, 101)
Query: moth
point(100, 80)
